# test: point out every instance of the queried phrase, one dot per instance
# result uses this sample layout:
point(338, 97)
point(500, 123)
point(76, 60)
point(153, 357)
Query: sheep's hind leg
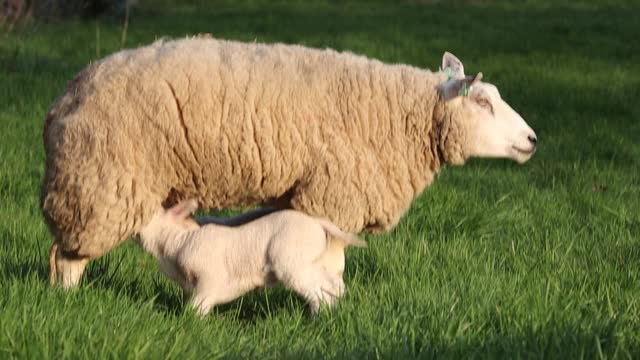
point(52, 264)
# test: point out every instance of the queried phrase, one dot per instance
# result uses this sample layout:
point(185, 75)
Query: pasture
point(494, 260)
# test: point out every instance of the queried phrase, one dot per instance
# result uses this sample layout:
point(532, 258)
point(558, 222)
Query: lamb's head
point(180, 215)
point(167, 222)
point(479, 123)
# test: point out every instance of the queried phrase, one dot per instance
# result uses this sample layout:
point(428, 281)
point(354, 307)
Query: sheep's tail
point(337, 233)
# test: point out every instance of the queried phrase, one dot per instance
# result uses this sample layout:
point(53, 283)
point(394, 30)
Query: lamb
point(232, 124)
point(215, 264)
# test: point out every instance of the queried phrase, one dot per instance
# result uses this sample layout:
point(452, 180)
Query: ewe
point(236, 124)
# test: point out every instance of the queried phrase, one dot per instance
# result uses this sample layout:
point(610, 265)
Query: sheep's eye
point(485, 104)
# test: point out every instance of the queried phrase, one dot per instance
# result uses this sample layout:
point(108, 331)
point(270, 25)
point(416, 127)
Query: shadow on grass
point(23, 269)
point(21, 257)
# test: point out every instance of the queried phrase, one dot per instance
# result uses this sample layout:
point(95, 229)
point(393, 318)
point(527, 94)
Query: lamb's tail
point(337, 233)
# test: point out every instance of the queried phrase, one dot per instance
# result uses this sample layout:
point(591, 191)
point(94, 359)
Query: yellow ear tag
point(465, 90)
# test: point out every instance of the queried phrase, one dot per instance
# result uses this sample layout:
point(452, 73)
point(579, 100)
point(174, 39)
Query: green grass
point(493, 260)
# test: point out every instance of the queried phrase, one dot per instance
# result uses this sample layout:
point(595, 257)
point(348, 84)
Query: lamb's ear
point(451, 62)
point(183, 209)
point(459, 87)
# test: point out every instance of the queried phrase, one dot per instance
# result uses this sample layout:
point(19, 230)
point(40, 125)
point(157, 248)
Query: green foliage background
point(494, 260)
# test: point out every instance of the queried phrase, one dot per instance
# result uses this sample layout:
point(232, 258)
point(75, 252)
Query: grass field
point(494, 260)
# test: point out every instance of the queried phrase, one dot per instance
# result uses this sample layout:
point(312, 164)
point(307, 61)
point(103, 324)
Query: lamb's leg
point(332, 290)
point(202, 302)
point(208, 295)
point(315, 285)
point(337, 286)
point(332, 262)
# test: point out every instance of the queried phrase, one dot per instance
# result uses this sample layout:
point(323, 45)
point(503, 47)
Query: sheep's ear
point(452, 65)
point(459, 87)
point(183, 209)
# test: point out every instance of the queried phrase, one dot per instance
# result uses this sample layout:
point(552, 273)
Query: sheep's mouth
point(523, 151)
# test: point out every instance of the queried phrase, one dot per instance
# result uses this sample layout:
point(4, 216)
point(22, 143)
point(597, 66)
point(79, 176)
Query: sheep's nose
point(533, 139)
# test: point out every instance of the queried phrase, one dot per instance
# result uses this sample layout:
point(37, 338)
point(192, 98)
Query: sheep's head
point(481, 124)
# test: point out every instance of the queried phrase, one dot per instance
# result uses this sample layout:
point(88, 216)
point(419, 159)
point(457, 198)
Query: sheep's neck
point(422, 128)
point(449, 137)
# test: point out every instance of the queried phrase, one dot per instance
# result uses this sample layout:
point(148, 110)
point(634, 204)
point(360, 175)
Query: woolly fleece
point(237, 124)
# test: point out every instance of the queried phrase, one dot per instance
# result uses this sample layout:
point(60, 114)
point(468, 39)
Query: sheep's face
point(491, 128)
point(494, 129)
